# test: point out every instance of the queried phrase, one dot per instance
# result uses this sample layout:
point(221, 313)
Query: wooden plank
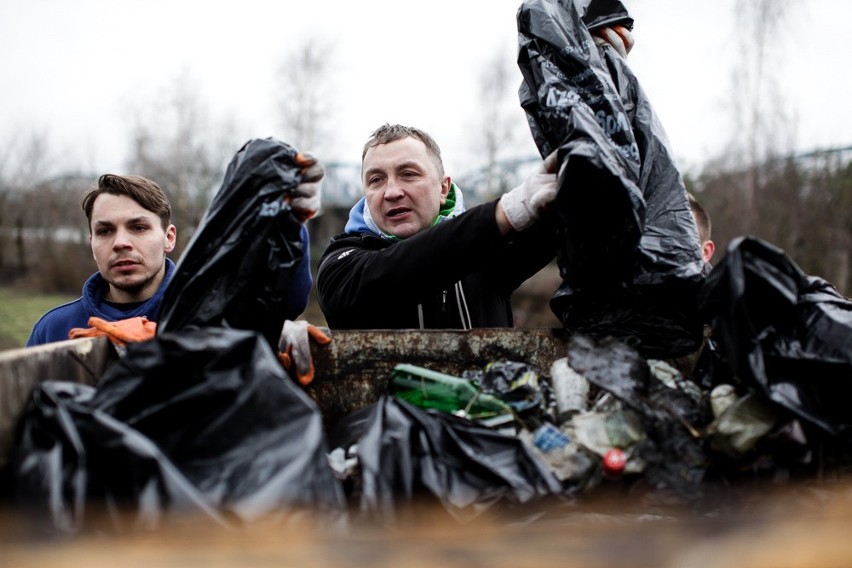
point(78, 360)
point(353, 370)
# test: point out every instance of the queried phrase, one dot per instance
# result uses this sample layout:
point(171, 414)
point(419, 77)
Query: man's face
point(129, 245)
point(402, 187)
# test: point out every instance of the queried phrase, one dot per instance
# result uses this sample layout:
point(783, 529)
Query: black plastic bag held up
point(235, 271)
point(629, 255)
point(783, 333)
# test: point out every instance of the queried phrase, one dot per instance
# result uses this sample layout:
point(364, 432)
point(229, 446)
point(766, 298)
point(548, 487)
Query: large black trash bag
point(783, 333)
point(235, 271)
point(629, 256)
point(71, 458)
point(205, 417)
point(409, 455)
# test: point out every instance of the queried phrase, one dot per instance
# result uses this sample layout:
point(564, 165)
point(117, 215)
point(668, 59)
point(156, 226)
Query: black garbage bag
point(601, 13)
point(78, 469)
point(783, 333)
point(409, 455)
point(628, 245)
point(200, 420)
point(518, 385)
point(236, 270)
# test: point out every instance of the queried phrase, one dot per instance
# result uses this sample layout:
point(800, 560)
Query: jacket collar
point(361, 220)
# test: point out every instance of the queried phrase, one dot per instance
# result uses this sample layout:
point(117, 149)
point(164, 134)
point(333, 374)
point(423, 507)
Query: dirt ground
point(789, 527)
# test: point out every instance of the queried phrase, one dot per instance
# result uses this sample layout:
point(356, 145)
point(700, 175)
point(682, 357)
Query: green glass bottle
point(430, 389)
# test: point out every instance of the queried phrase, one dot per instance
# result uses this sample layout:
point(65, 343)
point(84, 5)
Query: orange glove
point(619, 37)
point(305, 200)
point(295, 349)
point(120, 332)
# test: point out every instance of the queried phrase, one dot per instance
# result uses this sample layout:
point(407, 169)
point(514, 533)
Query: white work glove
point(619, 37)
point(524, 204)
point(305, 199)
point(294, 348)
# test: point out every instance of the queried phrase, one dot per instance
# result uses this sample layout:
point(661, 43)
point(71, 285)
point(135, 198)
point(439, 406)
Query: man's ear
point(171, 238)
point(708, 247)
point(445, 188)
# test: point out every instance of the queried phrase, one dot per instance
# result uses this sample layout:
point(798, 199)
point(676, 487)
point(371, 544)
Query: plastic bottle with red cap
point(614, 462)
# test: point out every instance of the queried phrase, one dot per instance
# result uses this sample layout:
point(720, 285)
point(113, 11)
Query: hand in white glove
point(523, 205)
point(294, 348)
point(619, 37)
point(305, 199)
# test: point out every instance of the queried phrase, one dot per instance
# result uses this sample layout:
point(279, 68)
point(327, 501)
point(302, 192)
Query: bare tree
point(763, 127)
point(177, 144)
point(805, 205)
point(500, 118)
point(42, 230)
point(305, 95)
point(26, 161)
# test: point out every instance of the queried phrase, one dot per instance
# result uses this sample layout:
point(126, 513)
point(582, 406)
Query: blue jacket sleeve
point(301, 281)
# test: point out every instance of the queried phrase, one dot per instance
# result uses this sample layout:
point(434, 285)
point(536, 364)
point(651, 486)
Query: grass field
point(19, 310)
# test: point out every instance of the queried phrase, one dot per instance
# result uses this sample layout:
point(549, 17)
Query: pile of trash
point(763, 403)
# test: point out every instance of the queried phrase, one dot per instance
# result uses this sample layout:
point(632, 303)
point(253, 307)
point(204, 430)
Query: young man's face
point(402, 187)
point(129, 245)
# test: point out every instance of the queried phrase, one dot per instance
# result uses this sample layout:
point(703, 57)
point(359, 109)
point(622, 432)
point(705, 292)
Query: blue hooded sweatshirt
point(361, 221)
point(55, 324)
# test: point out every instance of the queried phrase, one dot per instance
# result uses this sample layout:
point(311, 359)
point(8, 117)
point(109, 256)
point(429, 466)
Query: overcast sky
point(72, 68)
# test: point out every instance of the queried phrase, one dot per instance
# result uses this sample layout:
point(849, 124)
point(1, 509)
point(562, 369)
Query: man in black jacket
point(412, 257)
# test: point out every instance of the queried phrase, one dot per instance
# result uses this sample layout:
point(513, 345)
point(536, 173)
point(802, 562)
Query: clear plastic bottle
point(570, 388)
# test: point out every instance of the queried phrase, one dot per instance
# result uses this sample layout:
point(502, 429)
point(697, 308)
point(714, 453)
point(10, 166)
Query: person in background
point(702, 221)
point(131, 235)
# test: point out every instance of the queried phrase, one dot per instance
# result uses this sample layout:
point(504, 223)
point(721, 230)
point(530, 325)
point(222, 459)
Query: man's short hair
point(702, 219)
point(141, 190)
point(392, 132)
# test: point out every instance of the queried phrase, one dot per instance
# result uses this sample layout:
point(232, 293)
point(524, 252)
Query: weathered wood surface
point(353, 371)
point(78, 360)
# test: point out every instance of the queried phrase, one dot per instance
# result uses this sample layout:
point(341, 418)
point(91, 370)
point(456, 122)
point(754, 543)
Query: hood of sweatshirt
point(361, 220)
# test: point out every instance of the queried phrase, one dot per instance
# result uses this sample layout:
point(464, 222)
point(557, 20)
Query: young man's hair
point(141, 190)
point(392, 132)
point(702, 219)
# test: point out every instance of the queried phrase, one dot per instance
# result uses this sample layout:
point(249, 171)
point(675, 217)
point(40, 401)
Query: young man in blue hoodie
point(131, 233)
